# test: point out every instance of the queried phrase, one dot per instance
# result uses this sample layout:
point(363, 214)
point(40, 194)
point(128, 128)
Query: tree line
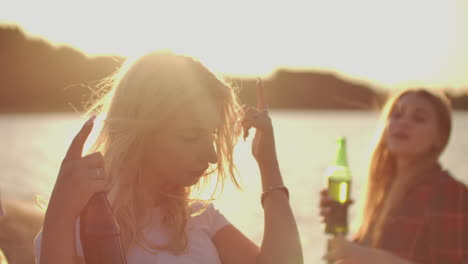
point(36, 76)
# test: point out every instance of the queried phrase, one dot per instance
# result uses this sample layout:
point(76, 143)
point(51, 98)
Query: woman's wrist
point(270, 190)
point(55, 214)
point(271, 179)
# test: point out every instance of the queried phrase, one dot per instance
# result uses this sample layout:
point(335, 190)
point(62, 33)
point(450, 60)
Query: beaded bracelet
point(271, 189)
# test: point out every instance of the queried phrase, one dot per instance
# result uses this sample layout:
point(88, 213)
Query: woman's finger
point(325, 211)
point(76, 147)
point(100, 186)
point(96, 174)
point(325, 220)
point(259, 116)
point(246, 133)
point(249, 119)
point(257, 119)
point(326, 201)
point(250, 115)
point(94, 160)
point(246, 120)
point(326, 195)
point(261, 100)
point(250, 111)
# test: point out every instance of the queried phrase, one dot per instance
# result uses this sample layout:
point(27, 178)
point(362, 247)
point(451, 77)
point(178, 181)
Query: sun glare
point(386, 42)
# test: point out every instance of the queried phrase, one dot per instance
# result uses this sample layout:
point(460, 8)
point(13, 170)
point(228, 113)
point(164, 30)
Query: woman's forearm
point(58, 239)
point(394, 259)
point(281, 242)
point(385, 257)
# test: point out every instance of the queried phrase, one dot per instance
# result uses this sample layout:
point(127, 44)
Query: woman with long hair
point(414, 210)
point(168, 125)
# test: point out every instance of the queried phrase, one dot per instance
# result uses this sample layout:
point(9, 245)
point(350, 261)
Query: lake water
point(33, 146)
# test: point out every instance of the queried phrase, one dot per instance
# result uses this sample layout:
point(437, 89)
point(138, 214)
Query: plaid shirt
point(431, 226)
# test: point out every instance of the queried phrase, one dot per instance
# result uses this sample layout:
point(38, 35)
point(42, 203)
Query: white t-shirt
point(200, 248)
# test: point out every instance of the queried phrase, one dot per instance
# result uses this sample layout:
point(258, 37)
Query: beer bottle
point(339, 181)
point(100, 233)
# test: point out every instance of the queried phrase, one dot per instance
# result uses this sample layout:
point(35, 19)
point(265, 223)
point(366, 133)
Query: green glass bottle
point(339, 186)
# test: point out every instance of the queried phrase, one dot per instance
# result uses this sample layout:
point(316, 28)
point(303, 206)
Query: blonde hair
point(384, 190)
point(136, 101)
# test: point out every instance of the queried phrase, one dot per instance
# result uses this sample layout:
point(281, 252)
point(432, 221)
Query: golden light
point(386, 42)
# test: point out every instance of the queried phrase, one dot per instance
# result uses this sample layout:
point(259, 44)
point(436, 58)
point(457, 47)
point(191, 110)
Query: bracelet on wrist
point(272, 189)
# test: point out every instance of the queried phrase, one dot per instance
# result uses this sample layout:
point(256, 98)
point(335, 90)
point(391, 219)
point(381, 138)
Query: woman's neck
point(412, 164)
point(403, 164)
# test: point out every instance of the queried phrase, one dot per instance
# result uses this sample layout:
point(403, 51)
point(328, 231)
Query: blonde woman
point(415, 211)
point(169, 124)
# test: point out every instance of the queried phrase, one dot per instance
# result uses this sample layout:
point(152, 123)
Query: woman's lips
point(400, 135)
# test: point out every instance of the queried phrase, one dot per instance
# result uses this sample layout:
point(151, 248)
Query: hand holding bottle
point(327, 204)
point(338, 195)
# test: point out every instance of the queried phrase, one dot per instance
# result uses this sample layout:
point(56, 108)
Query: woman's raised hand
point(263, 145)
point(79, 177)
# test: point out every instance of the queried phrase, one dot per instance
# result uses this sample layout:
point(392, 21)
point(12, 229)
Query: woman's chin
point(193, 182)
point(405, 153)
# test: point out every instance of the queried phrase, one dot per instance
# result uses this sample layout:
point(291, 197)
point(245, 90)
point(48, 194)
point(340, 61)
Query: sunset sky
point(386, 43)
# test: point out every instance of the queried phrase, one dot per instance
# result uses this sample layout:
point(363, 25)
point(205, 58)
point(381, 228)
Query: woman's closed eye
point(419, 119)
point(396, 114)
point(196, 135)
point(190, 137)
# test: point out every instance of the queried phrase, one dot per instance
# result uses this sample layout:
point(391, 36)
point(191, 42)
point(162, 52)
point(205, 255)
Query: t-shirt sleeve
point(79, 247)
point(38, 242)
point(216, 220)
point(37, 246)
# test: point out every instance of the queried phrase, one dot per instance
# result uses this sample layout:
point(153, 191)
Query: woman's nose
point(403, 122)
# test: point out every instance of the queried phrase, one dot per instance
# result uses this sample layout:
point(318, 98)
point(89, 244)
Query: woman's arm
point(448, 231)
point(345, 252)
point(234, 247)
point(58, 239)
point(281, 243)
point(79, 178)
